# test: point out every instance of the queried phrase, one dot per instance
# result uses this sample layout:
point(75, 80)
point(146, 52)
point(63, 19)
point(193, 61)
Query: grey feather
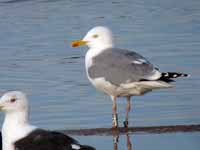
point(120, 66)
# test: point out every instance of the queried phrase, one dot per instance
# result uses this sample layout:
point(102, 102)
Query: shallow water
point(36, 57)
point(143, 142)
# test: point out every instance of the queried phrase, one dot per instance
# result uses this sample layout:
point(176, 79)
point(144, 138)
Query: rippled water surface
point(36, 58)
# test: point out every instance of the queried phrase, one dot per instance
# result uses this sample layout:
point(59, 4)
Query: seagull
point(18, 134)
point(120, 72)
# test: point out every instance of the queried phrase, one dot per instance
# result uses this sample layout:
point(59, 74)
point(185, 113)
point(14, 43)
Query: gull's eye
point(12, 100)
point(95, 36)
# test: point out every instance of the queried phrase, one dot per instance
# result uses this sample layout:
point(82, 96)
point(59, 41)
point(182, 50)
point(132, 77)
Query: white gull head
point(99, 38)
point(14, 101)
point(16, 126)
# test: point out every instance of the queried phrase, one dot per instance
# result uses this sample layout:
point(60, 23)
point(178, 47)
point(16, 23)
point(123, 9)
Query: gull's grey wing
point(121, 66)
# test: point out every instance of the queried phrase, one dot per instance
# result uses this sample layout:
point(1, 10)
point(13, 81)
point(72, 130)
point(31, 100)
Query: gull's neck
point(15, 127)
point(94, 51)
point(98, 48)
point(102, 46)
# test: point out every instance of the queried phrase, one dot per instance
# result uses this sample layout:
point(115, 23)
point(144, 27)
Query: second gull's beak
point(77, 43)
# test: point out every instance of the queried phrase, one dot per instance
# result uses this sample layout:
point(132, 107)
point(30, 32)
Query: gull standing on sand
point(119, 72)
point(18, 134)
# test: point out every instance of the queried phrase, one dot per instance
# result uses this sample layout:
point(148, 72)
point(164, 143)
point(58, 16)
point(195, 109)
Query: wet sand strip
point(138, 130)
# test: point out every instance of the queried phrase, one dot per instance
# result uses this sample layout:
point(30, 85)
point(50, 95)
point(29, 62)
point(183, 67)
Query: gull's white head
point(97, 38)
point(15, 126)
point(14, 101)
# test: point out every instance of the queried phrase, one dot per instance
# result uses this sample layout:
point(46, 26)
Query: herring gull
point(120, 72)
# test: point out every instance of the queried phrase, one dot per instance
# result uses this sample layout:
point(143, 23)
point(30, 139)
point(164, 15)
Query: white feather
point(75, 146)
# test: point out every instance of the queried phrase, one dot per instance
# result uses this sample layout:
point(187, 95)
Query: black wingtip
point(86, 147)
point(169, 76)
point(185, 75)
point(174, 75)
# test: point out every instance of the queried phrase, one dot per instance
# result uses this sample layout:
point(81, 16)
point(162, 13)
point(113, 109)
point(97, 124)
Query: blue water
point(36, 57)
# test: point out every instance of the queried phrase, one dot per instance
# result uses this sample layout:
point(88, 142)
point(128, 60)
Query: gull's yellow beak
point(77, 43)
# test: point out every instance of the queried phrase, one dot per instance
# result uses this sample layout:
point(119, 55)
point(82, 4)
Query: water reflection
point(120, 134)
point(124, 131)
point(14, 1)
point(116, 141)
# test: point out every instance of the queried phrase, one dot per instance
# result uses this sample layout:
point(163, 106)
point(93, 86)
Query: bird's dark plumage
point(49, 140)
